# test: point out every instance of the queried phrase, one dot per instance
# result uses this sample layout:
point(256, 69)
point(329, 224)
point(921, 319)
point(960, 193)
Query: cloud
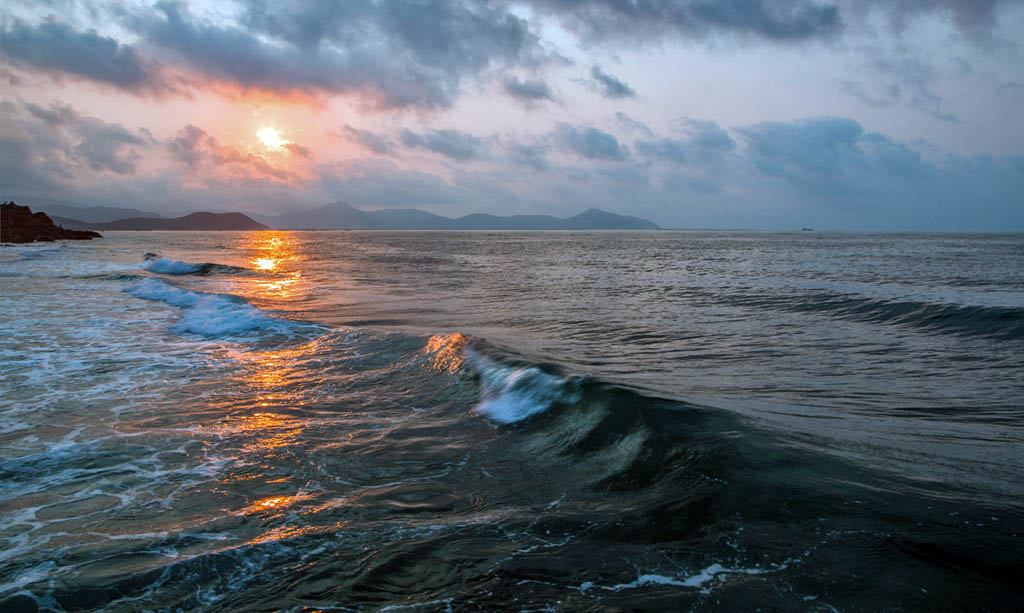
point(189, 145)
point(382, 183)
point(529, 155)
point(705, 143)
point(832, 157)
point(904, 79)
point(884, 98)
point(99, 145)
point(56, 48)
point(452, 144)
point(773, 20)
point(609, 86)
point(974, 18)
point(813, 147)
point(380, 144)
point(209, 160)
point(629, 124)
point(590, 142)
point(388, 54)
point(527, 91)
point(299, 150)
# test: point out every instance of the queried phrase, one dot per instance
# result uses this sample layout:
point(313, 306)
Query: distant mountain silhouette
point(596, 219)
point(336, 215)
point(340, 215)
point(71, 224)
point(193, 222)
point(91, 214)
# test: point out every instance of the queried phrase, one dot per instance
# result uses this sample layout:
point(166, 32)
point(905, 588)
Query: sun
point(271, 138)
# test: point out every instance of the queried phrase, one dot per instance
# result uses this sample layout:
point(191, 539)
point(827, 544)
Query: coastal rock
point(18, 224)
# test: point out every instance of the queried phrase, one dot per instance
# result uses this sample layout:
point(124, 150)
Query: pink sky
point(732, 114)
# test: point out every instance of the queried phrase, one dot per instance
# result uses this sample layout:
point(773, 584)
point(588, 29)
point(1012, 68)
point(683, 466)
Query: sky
point(763, 114)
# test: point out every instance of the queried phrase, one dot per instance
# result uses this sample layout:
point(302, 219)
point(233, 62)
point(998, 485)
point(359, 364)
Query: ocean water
point(517, 421)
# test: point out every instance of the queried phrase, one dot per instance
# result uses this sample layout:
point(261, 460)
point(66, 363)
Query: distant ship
point(807, 229)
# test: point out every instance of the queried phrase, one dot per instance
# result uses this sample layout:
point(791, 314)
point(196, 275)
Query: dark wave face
point(967, 320)
point(513, 421)
point(168, 266)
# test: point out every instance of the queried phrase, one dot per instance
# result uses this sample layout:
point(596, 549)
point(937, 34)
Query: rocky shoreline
point(18, 224)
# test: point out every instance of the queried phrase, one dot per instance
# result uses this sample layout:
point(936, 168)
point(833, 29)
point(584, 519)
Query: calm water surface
point(519, 420)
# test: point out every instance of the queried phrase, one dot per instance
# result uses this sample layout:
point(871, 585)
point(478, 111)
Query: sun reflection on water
point(264, 263)
point(446, 351)
point(274, 252)
point(272, 504)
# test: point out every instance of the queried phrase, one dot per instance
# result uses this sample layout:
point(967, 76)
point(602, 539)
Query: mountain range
point(90, 214)
point(339, 215)
point(335, 216)
point(193, 222)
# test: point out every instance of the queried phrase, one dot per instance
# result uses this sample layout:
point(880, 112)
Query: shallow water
point(362, 420)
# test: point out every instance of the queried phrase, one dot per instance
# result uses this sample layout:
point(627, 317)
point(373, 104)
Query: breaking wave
point(509, 394)
point(215, 315)
point(167, 266)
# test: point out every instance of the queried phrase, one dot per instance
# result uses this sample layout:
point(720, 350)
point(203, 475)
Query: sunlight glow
point(265, 263)
point(271, 138)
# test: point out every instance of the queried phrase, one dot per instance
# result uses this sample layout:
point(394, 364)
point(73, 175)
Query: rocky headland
point(18, 224)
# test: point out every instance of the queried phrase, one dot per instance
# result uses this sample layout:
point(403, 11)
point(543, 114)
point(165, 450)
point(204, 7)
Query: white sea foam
point(168, 266)
point(212, 315)
point(714, 572)
point(511, 394)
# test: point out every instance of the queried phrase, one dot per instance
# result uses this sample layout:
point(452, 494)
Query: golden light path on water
point(263, 419)
point(273, 253)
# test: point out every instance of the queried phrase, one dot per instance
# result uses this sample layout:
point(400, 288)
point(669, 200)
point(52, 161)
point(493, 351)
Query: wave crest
point(167, 266)
point(510, 394)
point(213, 315)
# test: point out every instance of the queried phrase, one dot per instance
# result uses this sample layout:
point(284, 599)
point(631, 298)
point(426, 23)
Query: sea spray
point(214, 315)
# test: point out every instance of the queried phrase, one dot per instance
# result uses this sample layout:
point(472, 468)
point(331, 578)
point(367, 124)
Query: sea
point(521, 421)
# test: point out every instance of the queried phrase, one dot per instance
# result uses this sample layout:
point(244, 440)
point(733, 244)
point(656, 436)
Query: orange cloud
point(206, 157)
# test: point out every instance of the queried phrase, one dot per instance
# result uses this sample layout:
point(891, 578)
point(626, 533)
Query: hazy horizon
point(772, 114)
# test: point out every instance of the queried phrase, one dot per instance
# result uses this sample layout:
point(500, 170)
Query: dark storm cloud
point(590, 142)
point(831, 156)
point(452, 144)
point(97, 144)
point(528, 90)
point(189, 145)
point(42, 148)
point(867, 180)
point(400, 54)
point(56, 115)
point(778, 20)
point(390, 53)
point(609, 86)
point(705, 143)
point(380, 144)
point(974, 18)
point(393, 54)
point(58, 48)
point(455, 34)
point(22, 169)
